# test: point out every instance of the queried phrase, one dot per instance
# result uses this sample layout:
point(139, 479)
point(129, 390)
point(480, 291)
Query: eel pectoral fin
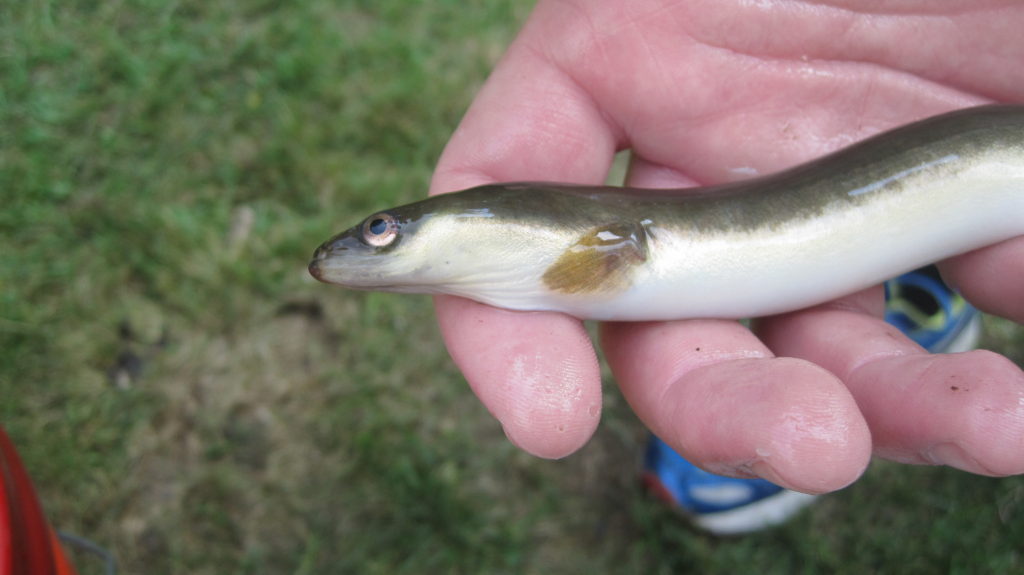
point(601, 261)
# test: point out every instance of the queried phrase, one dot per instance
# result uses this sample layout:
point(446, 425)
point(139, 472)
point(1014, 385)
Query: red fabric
point(27, 545)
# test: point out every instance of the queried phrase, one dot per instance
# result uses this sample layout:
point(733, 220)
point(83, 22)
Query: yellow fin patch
point(602, 261)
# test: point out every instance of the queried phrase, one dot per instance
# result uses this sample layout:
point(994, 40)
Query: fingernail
point(952, 455)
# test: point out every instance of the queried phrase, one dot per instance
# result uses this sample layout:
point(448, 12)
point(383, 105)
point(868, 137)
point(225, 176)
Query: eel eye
point(380, 230)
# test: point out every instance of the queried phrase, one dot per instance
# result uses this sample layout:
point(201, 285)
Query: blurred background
point(187, 397)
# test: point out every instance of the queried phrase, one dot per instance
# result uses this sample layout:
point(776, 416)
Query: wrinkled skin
point(715, 90)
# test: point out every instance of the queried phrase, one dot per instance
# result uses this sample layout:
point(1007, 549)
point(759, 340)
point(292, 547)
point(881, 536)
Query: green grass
point(184, 395)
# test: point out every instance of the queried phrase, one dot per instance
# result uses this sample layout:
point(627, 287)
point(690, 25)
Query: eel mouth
point(314, 267)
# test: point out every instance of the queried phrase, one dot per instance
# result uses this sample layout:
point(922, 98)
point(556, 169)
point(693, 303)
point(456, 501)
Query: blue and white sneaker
point(718, 504)
point(930, 313)
point(920, 305)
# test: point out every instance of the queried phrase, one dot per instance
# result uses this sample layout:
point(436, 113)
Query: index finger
point(537, 373)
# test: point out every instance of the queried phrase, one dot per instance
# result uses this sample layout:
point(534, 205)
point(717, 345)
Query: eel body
point(891, 203)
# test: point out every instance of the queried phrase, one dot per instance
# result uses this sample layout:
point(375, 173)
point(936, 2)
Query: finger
point(991, 278)
point(964, 410)
point(530, 121)
point(714, 393)
point(536, 372)
point(745, 411)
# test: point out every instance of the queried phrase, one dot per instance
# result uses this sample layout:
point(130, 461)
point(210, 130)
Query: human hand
point(718, 90)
